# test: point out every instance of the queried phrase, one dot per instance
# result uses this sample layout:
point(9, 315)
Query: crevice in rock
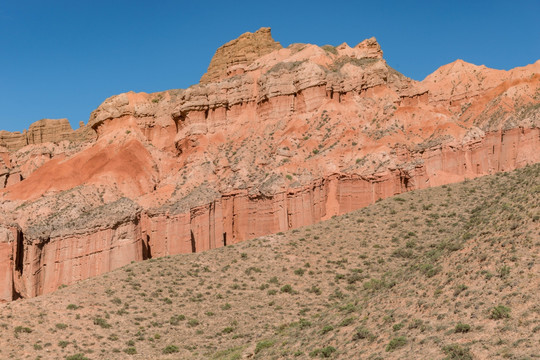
point(146, 248)
point(193, 245)
point(19, 253)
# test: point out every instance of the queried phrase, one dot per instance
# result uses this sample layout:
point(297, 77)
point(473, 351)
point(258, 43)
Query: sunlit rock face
point(271, 139)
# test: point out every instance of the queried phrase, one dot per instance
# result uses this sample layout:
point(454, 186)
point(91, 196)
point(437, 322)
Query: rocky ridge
point(271, 139)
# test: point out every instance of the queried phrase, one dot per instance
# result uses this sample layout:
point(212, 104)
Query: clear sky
point(63, 58)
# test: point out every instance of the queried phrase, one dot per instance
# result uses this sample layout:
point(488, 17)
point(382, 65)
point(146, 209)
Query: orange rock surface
point(271, 139)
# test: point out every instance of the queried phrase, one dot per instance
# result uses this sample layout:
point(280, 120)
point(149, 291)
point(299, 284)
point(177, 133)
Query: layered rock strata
point(272, 139)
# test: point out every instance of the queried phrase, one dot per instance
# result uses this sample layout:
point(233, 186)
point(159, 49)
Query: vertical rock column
point(6, 264)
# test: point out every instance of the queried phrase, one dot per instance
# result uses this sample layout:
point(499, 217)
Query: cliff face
point(23, 153)
point(272, 139)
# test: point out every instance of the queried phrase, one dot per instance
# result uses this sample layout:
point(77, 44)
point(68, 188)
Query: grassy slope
point(414, 276)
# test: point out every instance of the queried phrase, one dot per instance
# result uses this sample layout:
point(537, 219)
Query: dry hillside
point(449, 272)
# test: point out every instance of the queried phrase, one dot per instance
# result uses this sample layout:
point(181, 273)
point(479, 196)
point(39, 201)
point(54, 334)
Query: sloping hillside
point(449, 272)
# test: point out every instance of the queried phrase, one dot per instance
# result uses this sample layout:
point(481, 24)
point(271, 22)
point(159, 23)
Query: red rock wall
point(240, 216)
point(46, 265)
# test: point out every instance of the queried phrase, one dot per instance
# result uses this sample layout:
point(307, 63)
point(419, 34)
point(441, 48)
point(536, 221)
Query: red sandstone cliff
point(272, 139)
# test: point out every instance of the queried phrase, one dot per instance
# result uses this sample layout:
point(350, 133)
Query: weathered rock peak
point(240, 52)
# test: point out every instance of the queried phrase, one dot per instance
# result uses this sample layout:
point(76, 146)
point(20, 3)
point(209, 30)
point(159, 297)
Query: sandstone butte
point(271, 139)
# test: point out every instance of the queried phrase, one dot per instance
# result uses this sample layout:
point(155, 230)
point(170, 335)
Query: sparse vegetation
point(396, 343)
point(499, 312)
point(462, 328)
point(456, 352)
point(170, 349)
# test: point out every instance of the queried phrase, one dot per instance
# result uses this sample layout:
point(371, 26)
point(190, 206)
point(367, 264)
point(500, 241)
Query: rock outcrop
point(272, 139)
point(44, 131)
point(234, 56)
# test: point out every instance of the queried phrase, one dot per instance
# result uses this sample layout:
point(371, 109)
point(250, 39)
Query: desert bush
point(462, 328)
point(324, 352)
point(286, 289)
point(130, 351)
point(499, 312)
point(101, 322)
point(362, 333)
point(77, 357)
point(396, 343)
point(170, 349)
point(456, 352)
point(175, 319)
point(327, 329)
point(264, 344)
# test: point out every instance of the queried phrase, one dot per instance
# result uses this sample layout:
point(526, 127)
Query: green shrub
point(303, 323)
point(227, 330)
point(362, 333)
point(101, 322)
point(261, 345)
point(327, 351)
point(459, 289)
point(327, 329)
point(116, 301)
point(130, 351)
point(314, 290)
point(324, 352)
point(286, 289)
point(499, 312)
point(503, 271)
point(77, 357)
point(346, 322)
point(462, 328)
point(22, 329)
point(396, 343)
point(456, 352)
point(417, 324)
point(169, 349)
point(175, 319)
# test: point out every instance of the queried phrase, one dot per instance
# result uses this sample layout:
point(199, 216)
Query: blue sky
point(63, 58)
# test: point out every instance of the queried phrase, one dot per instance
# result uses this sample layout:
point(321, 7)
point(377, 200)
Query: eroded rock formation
point(235, 55)
point(271, 139)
